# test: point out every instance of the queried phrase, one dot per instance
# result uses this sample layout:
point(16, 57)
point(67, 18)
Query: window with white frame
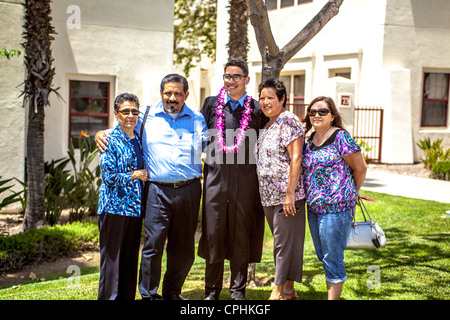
point(280, 4)
point(295, 87)
point(89, 103)
point(435, 99)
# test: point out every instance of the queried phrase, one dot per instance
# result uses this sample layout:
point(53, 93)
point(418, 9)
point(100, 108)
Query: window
point(340, 72)
point(271, 4)
point(89, 107)
point(279, 4)
point(286, 3)
point(435, 100)
point(295, 87)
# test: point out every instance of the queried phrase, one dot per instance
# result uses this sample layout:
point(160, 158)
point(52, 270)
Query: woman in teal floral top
point(119, 209)
point(334, 170)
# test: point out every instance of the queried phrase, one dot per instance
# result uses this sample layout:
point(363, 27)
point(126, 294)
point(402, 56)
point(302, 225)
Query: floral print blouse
point(273, 161)
point(119, 194)
point(330, 187)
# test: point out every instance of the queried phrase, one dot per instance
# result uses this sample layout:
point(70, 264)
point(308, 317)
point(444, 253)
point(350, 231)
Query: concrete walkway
point(407, 186)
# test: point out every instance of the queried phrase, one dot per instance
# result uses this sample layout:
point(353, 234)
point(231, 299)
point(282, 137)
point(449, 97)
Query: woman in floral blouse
point(119, 209)
point(334, 171)
point(278, 160)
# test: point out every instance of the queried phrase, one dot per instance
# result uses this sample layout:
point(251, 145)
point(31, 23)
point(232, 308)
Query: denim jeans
point(329, 233)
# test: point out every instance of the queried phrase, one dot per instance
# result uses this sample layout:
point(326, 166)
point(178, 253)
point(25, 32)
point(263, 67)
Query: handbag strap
point(364, 210)
point(143, 122)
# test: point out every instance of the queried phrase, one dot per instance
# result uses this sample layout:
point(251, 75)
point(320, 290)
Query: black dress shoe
point(210, 297)
point(174, 297)
point(152, 297)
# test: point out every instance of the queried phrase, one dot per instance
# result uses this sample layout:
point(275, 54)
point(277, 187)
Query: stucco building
point(102, 48)
point(391, 54)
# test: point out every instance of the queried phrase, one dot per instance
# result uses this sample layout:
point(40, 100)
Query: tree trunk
point(38, 84)
point(238, 39)
point(274, 59)
point(35, 209)
point(272, 66)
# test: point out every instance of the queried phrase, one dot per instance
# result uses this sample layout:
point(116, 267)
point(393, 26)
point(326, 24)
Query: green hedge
point(46, 244)
point(441, 170)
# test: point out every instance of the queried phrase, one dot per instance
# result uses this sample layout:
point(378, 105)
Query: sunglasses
point(322, 112)
point(235, 77)
point(125, 112)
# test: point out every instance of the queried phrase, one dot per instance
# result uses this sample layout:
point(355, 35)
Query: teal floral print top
point(119, 194)
point(330, 187)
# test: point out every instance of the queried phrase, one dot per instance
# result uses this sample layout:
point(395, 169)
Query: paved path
point(407, 186)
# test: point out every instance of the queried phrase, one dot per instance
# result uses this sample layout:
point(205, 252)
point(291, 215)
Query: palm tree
point(238, 39)
point(38, 84)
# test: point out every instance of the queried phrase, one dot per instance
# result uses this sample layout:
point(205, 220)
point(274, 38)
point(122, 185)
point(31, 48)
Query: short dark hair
point(237, 63)
point(277, 85)
point(175, 78)
point(337, 122)
point(121, 98)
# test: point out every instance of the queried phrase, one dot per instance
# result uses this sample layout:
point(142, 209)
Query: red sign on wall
point(345, 100)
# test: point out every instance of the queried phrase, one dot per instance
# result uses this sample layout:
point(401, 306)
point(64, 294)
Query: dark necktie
point(234, 104)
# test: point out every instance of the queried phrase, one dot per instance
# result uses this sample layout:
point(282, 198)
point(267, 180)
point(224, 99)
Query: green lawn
point(414, 265)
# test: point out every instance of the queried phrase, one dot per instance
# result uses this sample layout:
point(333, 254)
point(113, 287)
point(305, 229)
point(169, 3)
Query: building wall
point(417, 39)
point(12, 129)
point(353, 39)
point(127, 42)
point(339, 44)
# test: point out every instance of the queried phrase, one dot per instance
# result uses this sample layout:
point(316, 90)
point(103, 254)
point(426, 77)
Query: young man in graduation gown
point(233, 218)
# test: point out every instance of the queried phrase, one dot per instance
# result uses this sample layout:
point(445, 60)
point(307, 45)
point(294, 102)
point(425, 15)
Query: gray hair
point(121, 98)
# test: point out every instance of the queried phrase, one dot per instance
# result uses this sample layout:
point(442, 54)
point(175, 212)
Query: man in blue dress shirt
point(172, 140)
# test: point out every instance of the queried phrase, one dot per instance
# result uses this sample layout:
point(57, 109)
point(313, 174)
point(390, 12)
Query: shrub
point(441, 170)
point(84, 186)
point(10, 198)
point(434, 152)
point(56, 188)
point(365, 149)
point(46, 244)
point(62, 189)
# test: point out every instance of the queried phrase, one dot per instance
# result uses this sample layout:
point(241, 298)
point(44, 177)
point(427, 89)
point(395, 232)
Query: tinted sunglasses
point(125, 112)
point(322, 112)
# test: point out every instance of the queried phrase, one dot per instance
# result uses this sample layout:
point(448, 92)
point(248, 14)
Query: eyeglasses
point(125, 112)
point(322, 112)
point(236, 77)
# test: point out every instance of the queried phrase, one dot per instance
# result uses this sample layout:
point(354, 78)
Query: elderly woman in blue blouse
point(278, 154)
point(334, 171)
point(119, 209)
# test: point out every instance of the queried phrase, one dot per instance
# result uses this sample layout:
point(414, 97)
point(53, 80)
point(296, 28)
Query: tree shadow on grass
point(410, 267)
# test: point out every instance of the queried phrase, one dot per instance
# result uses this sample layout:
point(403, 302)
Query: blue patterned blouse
point(330, 187)
point(118, 193)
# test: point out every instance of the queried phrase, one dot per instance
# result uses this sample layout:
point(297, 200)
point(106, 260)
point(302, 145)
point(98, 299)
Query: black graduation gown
point(232, 215)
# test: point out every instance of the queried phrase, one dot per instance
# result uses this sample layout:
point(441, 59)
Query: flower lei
point(220, 123)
